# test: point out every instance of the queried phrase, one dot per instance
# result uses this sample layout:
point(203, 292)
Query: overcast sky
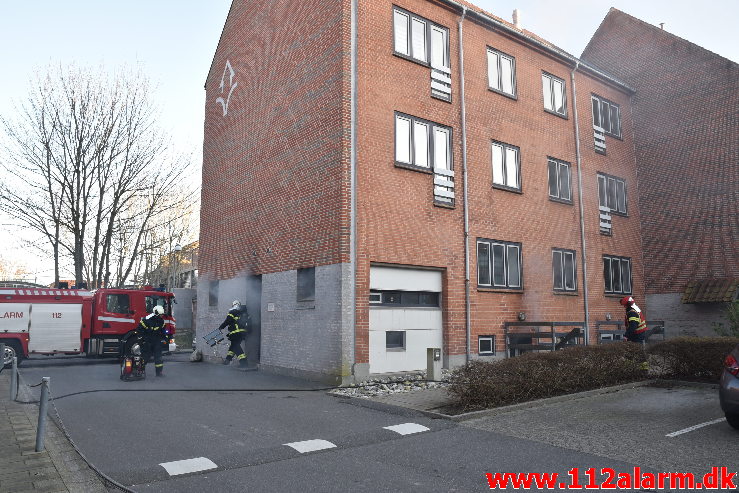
point(173, 42)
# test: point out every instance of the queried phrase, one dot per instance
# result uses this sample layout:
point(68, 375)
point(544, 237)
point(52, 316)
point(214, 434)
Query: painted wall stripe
point(407, 428)
point(311, 445)
point(116, 319)
point(188, 465)
point(701, 425)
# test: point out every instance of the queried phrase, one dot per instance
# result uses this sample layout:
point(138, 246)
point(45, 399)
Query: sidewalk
point(58, 468)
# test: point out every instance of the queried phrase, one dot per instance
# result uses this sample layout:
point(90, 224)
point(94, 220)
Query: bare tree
point(99, 170)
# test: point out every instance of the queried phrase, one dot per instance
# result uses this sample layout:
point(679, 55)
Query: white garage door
point(405, 318)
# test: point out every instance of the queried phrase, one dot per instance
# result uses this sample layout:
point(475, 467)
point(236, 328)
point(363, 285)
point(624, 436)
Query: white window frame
point(486, 338)
point(559, 256)
point(416, 146)
point(612, 193)
point(418, 48)
point(502, 171)
point(559, 165)
point(601, 103)
point(549, 83)
point(495, 72)
point(508, 249)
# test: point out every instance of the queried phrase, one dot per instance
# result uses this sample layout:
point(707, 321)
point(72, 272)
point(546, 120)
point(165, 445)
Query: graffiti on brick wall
point(231, 86)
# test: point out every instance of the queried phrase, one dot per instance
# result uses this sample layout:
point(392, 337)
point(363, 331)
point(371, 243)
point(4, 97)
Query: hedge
point(486, 384)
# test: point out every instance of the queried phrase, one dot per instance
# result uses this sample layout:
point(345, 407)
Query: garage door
point(405, 318)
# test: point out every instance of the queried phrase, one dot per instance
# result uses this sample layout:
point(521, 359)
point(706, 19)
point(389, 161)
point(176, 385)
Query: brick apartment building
point(687, 152)
point(381, 177)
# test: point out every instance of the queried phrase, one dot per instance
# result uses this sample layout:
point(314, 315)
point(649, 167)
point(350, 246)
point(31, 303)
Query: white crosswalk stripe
point(188, 465)
point(311, 445)
point(407, 428)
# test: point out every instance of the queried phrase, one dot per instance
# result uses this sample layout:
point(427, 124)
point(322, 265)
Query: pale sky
point(173, 42)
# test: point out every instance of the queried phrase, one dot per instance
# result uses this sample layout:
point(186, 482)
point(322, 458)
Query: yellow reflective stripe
point(159, 365)
point(241, 356)
point(233, 316)
point(237, 330)
point(144, 324)
point(230, 353)
point(634, 319)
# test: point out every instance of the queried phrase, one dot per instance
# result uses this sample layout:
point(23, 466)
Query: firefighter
point(636, 324)
point(236, 323)
point(152, 329)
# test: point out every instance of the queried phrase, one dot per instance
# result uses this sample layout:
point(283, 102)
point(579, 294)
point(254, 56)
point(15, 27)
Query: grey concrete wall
point(183, 308)
point(313, 340)
point(305, 337)
point(685, 319)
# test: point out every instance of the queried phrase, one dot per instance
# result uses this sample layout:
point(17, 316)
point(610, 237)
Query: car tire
point(12, 349)
point(733, 420)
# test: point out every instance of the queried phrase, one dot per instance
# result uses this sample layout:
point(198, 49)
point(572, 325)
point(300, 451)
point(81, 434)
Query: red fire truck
point(75, 321)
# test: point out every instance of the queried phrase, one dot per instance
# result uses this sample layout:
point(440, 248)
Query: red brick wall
point(397, 220)
point(275, 168)
point(687, 147)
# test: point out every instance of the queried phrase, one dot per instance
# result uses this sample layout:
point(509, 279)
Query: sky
point(173, 41)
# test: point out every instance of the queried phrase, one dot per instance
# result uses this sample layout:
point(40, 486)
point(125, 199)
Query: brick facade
point(287, 145)
point(687, 150)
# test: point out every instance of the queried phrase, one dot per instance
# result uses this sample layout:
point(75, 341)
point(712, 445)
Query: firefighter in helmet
point(636, 324)
point(236, 323)
point(151, 327)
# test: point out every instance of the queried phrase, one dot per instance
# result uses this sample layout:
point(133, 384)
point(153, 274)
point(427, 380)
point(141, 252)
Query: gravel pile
point(393, 385)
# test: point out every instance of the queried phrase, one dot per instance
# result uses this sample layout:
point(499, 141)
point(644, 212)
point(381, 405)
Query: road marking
point(407, 428)
point(310, 445)
point(188, 465)
point(707, 423)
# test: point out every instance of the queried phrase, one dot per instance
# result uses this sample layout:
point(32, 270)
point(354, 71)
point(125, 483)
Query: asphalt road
point(240, 424)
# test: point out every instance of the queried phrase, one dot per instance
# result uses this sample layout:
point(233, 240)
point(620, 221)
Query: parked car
point(729, 390)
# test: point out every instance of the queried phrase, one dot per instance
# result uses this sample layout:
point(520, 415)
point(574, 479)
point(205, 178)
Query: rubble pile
point(394, 384)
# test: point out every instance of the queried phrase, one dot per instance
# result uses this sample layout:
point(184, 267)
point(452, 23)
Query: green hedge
point(690, 358)
point(486, 384)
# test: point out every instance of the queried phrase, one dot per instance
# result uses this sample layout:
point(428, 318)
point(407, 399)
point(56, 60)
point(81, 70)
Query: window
point(564, 271)
point(395, 340)
point(118, 303)
point(499, 264)
point(163, 301)
point(307, 284)
point(404, 298)
point(213, 293)
point(420, 39)
point(617, 274)
point(559, 180)
point(501, 72)
point(506, 173)
point(486, 345)
point(555, 100)
point(612, 193)
point(419, 143)
point(606, 115)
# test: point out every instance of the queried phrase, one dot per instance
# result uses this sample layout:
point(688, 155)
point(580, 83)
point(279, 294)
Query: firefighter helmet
point(236, 304)
point(158, 310)
point(627, 300)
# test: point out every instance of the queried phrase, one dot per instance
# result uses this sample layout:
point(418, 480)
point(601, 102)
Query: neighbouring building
point(686, 133)
point(383, 177)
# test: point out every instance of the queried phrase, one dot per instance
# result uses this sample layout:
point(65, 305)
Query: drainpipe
point(353, 187)
point(582, 207)
point(467, 309)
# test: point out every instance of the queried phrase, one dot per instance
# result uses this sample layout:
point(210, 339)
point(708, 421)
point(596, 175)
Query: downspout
point(353, 191)
point(584, 256)
point(467, 309)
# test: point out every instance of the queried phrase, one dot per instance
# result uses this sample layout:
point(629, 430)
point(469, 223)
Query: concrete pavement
point(57, 468)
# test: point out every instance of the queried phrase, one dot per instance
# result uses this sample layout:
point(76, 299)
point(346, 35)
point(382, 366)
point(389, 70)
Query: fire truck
point(76, 321)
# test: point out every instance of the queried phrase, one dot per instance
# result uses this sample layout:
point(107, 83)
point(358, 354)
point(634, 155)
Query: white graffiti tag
point(232, 85)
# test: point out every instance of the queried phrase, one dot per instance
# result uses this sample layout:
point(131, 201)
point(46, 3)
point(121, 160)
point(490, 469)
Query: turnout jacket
point(235, 321)
point(152, 325)
point(636, 325)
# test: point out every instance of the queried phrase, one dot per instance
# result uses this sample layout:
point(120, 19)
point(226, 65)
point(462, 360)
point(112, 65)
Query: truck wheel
point(12, 349)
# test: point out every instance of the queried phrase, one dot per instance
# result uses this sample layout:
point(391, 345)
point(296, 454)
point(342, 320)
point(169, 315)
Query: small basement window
point(395, 340)
point(486, 345)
